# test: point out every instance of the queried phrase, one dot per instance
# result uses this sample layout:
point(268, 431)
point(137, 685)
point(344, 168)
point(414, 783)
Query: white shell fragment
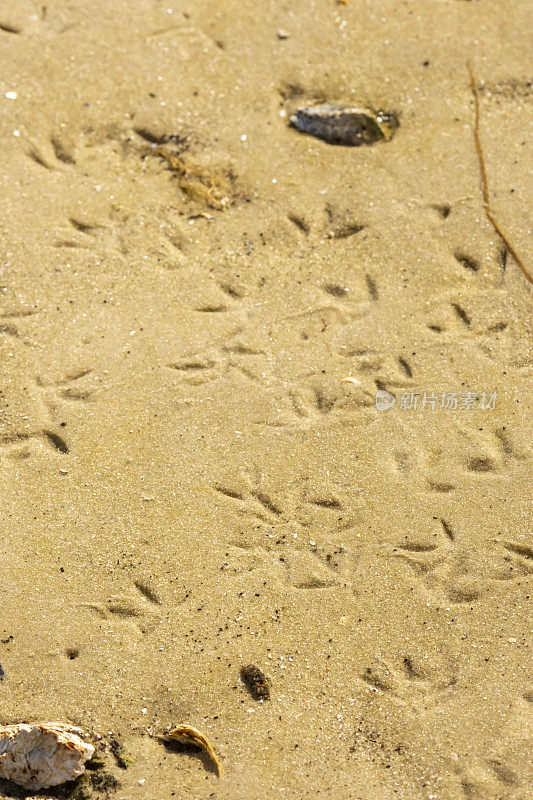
point(345, 125)
point(42, 754)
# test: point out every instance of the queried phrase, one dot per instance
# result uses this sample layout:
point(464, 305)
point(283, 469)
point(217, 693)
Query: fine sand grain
point(188, 484)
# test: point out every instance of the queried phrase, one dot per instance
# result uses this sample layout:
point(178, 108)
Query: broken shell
point(345, 125)
point(42, 754)
point(186, 734)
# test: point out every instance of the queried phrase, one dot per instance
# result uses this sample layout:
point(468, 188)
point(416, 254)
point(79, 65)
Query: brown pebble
point(256, 681)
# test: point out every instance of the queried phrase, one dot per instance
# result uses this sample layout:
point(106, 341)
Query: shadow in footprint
point(191, 749)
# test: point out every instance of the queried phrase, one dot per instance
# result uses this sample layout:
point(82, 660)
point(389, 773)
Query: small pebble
point(283, 34)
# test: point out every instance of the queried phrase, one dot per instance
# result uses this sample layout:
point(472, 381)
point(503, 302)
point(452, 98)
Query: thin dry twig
point(484, 180)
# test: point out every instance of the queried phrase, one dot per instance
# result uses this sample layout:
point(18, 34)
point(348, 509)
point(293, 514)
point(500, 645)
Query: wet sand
point(188, 484)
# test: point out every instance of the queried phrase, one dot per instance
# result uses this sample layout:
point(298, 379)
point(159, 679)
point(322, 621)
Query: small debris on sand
point(256, 681)
point(122, 758)
point(204, 185)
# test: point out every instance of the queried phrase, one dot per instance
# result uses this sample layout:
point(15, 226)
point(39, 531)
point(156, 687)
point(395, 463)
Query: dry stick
point(484, 179)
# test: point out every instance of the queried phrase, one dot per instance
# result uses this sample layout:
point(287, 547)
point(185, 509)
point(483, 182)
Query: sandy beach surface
point(187, 483)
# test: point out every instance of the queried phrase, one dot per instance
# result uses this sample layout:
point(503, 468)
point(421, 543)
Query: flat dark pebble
point(345, 125)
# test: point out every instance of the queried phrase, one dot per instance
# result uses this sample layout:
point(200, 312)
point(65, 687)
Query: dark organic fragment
point(256, 681)
point(118, 752)
point(345, 125)
point(2, 673)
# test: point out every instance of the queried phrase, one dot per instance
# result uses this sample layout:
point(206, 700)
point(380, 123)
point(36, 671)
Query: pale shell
point(42, 754)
